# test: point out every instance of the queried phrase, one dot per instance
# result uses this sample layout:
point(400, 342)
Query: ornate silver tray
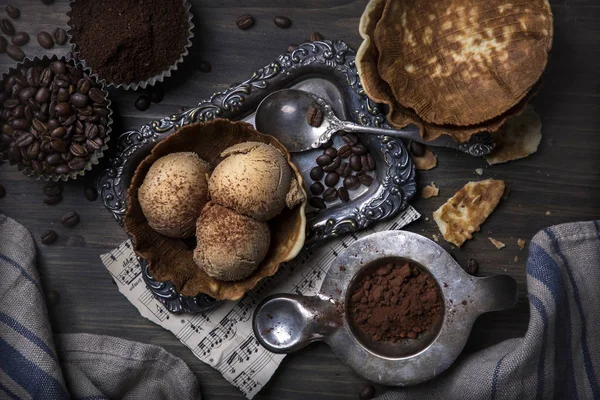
point(324, 68)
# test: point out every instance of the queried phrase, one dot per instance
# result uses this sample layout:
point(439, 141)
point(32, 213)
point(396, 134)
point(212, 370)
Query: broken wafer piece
point(430, 191)
point(499, 245)
point(518, 138)
point(521, 243)
point(464, 212)
point(426, 162)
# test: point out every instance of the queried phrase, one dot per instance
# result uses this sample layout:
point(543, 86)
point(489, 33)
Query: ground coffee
point(395, 301)
point(126, 41)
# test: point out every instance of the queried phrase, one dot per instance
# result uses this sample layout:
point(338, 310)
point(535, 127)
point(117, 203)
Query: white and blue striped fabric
point(34, 364)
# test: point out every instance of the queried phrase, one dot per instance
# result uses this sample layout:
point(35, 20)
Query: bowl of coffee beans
point(55, 118)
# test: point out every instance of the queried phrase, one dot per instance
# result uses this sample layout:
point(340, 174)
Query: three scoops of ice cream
point(227, 209)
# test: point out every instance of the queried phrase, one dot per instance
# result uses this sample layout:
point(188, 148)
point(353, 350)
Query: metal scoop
point(282, 114)
point(285, 323)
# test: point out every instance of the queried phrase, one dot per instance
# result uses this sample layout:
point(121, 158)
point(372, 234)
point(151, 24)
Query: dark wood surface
point(560, 183)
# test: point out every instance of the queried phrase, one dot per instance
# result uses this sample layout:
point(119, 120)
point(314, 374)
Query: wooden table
point(560, 183)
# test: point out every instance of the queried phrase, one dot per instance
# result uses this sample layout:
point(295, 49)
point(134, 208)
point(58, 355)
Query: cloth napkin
point(559, 357)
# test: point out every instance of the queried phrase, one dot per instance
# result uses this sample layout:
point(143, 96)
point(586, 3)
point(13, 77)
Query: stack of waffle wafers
point(455, 67)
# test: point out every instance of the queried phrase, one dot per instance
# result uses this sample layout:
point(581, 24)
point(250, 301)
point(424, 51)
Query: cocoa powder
point(396, 301)
point(126, 41)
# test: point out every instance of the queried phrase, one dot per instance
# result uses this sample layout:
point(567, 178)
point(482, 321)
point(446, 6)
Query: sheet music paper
point(223, 337)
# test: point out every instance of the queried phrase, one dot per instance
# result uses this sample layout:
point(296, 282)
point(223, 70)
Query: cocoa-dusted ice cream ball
point(173, 193)
point(230, 245)
point(253, 179)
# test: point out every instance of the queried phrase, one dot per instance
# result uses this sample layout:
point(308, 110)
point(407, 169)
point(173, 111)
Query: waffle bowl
point(171, 259)
point(27, 167)
point(452, 95)
point(151, 81)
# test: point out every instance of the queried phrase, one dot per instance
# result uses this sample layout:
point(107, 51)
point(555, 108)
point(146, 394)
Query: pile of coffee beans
point(340, 170)
point(54, 117)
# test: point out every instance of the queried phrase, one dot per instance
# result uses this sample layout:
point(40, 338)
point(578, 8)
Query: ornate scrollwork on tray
point(479, 145)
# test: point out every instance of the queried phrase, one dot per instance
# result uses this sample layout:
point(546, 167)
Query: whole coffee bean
point(350, 138)
point(472, 266)
point(58, 67)
point(13, 11)
point(142, 103)
point(83, 86)
point(26, 94)
point(90, 193)
point(291, 47)
point(245, 21)
point(417, 149)
point(70, 120)
point(20, 39)
point(344, 170)
point(62, 169)
point(79, 100)
point(316, 202)
point(331, 152)
point(58, 145)
point(10, 103)
point(91, 131)
point(7, 27)
point(316, 36)
point(355, 162)
point(52, 200)
point(324, 160)
point(70, 219)
point(365, 179)
point(42, 95)
point(97, 95)
point(15, 53)
point(53, 189)
point(46, 77)
point(345, 151)
point(3, 44)
point(60, 36)
point(48, 237)
point(333, 165)
point(331, 179)
point(314, 116)
point(344, 195)
point(351, 182)
point(367, 393)
point(330, 195)
point(317, 188)
point(63, 109)
point(91, 145)
point(45, 40)
point(24, 140)
point(368, 162)
point(157, 95)
point(205, 67)
point(38, 126)
point(282, 22)
point(317, 173)
point(2, 191)
point(76, 164)
point(54, 158)
point(359, 149)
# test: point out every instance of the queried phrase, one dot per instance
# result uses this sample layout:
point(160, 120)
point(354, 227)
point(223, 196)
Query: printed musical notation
point(223, 337)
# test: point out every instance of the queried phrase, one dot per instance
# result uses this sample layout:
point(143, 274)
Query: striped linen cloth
point(559, 357)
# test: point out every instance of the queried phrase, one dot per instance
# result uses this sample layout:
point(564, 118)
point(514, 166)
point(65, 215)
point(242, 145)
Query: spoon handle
point(479, 145)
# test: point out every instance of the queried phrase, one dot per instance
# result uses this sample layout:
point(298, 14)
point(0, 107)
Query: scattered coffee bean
point(205, 67)
point(345, 151)
point(70, 219)
point(331, 179)
point(48, 2)
point(324, 160)
point(246, 21)
point(316, 36)
point(368, 162)
point(314, 116)
point(3, 44)
point(157, 94)
point(52, 200)
point(45, 40)
point(355, 162)
point(350, 138)
point(417, 149)
point(335, 164)
point(48, 237)
point(60, 36)
point(359, 149)
point(472, 266)
point(317, 173)
point(317, 188)
point(13, 11)
point(316, 202)
point(7, 27)
point(367, 393)
point(90, 193)
point(351, 182)
point(2, 191)
point(344, 170)
point(291, 47)
point(53, 189)
point(282, 22)
point(331, 152)
point(15, 53)
point(344, 195)
point(330, 195)
point(53, 297)
point(365, 179)
point(142, 103)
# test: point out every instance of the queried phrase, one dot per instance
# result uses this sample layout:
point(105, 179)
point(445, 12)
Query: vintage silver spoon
point(282, 114)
